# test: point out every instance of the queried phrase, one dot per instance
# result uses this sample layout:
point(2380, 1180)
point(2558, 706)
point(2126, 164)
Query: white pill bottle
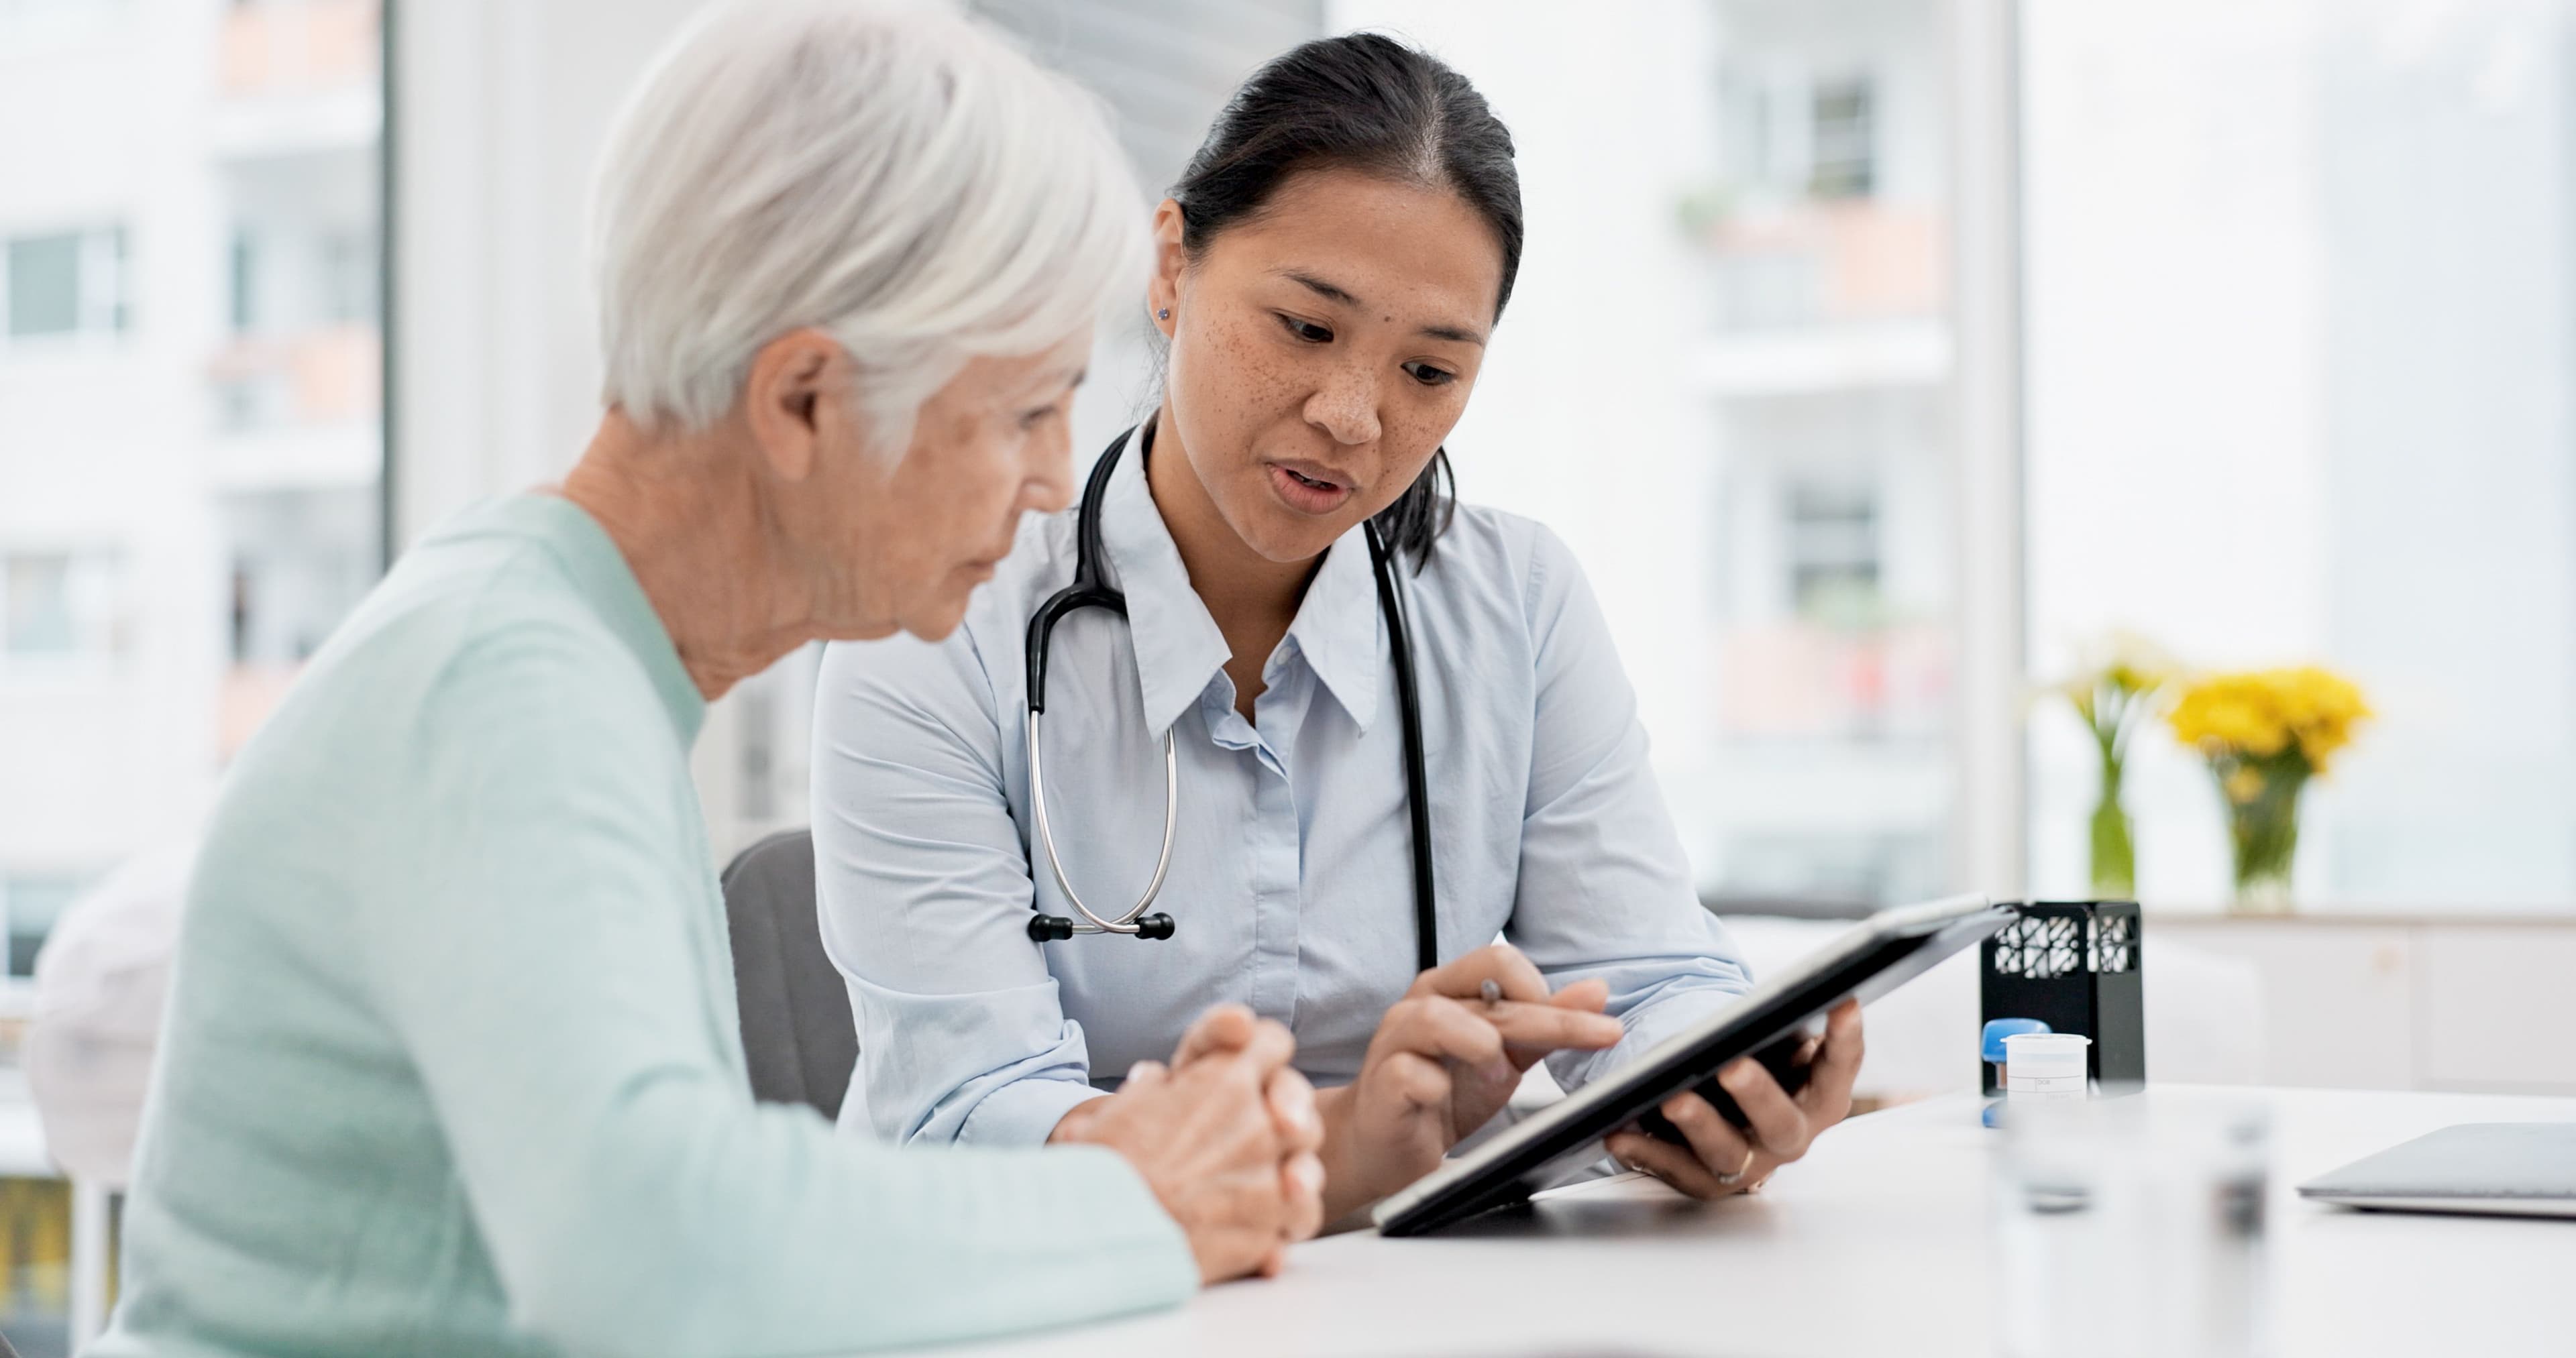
point(2046, 1067)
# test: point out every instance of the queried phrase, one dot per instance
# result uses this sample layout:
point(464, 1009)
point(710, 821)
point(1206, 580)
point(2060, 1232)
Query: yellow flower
point(2264, 713)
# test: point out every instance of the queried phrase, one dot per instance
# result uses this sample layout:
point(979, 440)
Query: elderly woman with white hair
point(451, 1062)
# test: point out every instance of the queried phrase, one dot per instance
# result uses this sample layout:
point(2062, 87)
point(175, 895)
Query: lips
point(1309, 487)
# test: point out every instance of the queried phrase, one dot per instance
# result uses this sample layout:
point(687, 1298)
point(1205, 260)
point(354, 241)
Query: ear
point(794, 400)
point(1163, 294)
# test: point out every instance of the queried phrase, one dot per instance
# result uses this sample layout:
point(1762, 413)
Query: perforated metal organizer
point(2076, 966)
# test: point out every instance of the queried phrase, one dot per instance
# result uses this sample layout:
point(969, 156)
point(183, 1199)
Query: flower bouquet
point(2265, 734)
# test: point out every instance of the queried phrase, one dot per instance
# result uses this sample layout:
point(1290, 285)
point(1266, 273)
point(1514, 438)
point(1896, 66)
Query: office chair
point(797, 1036)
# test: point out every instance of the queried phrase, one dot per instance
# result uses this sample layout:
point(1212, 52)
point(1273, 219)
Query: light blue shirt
point(1291, 881)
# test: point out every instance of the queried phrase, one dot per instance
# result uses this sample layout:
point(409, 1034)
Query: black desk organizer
point(2075, 966)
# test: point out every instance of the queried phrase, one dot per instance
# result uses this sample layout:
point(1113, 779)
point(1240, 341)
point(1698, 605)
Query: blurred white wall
point(499, 111)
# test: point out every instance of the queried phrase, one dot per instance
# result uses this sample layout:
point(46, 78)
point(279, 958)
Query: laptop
point(2523, 1169)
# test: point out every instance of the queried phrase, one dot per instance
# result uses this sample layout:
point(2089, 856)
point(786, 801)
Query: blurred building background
point(2294, 379)
point(191, 434)
point(191, 446)
point(2296, 384)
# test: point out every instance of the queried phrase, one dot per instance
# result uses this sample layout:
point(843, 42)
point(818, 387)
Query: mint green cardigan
point(451, 1062)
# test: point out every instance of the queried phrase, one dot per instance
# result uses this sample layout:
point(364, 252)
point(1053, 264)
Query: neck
point(686, 511)
point(1241, 588)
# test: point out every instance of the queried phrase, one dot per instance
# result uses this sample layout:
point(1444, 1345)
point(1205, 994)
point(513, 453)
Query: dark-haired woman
point(1330, 270)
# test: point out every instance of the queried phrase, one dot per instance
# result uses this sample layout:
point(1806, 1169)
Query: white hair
point(895, 174)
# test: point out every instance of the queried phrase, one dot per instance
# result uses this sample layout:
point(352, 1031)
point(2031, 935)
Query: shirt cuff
point(1022, 1113)
point(1648, 1025)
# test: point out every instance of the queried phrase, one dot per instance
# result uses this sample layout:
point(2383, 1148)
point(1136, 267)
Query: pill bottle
point(2045, 1066)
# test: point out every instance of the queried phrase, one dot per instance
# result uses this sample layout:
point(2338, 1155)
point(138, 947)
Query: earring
point(1164, 314)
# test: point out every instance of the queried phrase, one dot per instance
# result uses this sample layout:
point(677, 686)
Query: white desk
point(1878, 1243)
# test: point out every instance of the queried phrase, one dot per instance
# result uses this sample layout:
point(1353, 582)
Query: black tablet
point(1773, 1019)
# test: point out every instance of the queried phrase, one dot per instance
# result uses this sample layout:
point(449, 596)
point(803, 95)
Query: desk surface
point(1879, 1242)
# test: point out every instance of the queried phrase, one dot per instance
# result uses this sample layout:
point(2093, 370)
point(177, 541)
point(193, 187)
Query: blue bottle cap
point(1992, 1044)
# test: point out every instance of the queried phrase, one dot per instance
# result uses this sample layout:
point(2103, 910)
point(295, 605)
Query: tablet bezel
point(1873, 957)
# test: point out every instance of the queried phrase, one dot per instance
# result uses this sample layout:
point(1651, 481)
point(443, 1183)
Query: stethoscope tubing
point(1125, 923)
point(1090, 590)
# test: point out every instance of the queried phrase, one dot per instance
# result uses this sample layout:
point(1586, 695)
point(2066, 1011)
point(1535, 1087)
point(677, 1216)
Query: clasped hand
point(1225, 1136)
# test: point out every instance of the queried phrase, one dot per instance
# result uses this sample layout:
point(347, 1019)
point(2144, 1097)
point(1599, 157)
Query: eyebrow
point(1333, 293)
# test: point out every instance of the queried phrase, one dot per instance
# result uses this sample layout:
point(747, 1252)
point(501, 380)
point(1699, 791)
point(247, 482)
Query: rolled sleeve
point(1023, 1081)
point(923, 885)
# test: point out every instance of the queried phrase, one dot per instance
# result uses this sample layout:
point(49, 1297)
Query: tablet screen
point(1872, 958)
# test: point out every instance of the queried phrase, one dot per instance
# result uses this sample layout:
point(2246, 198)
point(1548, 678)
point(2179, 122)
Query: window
point(58, 607)
point(66, 283)
point(348, 262)
point(245, 281)
point(1833, 552)
point(1844, 160)
point(2302, 388)
point(31, 903)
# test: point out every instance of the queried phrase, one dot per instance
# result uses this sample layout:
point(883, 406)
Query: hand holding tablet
point(1726, 1134)
point(1875, 957)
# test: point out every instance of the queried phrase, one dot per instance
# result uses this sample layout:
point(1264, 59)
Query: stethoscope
point(1089, 590)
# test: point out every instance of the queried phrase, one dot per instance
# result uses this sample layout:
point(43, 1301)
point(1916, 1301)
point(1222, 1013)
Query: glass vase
point(2263, 831)
point(2115, 852)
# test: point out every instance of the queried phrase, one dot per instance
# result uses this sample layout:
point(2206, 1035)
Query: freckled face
point(1323, 349)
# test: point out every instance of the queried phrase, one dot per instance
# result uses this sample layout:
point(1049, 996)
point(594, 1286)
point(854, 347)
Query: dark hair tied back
point(1361, 102)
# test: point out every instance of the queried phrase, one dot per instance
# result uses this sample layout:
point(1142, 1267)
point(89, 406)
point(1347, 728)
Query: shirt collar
point(1179, 648)
point(599, 573)
point(1337, 627)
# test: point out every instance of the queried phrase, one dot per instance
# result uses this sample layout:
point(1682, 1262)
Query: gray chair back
point(797, 1035)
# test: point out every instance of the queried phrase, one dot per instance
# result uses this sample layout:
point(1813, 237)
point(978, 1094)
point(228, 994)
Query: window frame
point(101, 238)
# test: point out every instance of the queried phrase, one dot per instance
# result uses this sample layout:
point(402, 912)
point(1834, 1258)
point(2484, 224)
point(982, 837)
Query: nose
point(1050, 481)
point(1345, 405)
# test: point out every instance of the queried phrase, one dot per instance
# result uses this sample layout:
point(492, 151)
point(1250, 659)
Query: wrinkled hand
point(1721, 1160)
point(1226, 1136)
point(1443, 1062)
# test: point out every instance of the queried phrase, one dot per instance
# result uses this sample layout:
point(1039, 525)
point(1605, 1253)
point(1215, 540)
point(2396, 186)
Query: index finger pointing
point(1547, 1027)
point(1464, 978)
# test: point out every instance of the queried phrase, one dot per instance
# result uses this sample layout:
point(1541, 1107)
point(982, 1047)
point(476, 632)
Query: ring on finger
point(1491, 992)
point(1730, 1180)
